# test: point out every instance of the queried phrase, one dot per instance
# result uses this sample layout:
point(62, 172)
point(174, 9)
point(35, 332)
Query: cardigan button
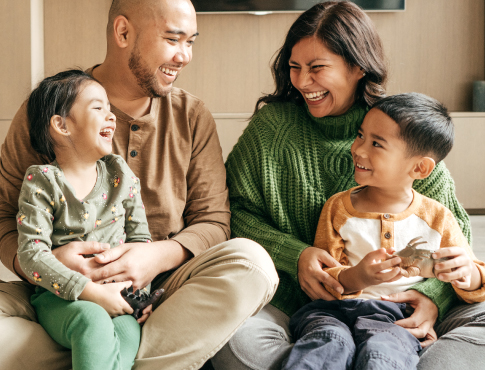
point(135, 128)
point(387, 215)
point(133, 153)
point(387, 235)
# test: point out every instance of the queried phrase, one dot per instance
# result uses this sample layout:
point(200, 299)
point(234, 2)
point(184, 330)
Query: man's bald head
point(140, 11)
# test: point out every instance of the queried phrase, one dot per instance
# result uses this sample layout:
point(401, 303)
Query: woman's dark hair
point(347, 31)
point(54, 96)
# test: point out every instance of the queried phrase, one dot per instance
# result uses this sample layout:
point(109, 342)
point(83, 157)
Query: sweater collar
point(344, 126)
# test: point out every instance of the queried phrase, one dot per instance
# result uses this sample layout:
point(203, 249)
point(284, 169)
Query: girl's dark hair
point(54, 96)
point(347, 31)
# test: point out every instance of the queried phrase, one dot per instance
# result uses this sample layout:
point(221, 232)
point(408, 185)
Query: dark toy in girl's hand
point(139, 300)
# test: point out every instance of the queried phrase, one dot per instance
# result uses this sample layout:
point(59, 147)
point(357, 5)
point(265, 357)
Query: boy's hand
point(373, 269)
point(459, 269)
point(108, 296)
point(146, 314)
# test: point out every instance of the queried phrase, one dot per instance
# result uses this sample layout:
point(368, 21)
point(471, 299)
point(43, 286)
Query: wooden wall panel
point(466, 160)
point(75, 33)
point(15, 60)
point(434, 47)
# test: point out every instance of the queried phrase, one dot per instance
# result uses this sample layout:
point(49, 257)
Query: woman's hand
point(459, 269)
point(108, 296)
point(312, 277)
point(421, 322)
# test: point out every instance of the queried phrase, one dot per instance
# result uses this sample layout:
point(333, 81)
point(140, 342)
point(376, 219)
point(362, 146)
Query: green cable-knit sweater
point(285, 166)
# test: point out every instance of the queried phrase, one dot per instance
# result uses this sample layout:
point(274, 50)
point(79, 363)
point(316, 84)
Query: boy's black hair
point(55, 95)
point(424, 123)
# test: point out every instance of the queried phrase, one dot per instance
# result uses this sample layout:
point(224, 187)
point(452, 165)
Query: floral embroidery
point(38, 230)
point(104, 196)
point(37, 277)
point(45, 170)
point(20, 219)
point(29, 177)
point(97, 223)
point(57, 287)
point(116, 181)
point(62, 198)
point(86, 215)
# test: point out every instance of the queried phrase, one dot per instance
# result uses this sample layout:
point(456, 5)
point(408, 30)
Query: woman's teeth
point(361, 167)
point(314, 96)
point(170, 72)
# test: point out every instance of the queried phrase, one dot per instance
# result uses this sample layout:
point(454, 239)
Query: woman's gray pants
point(264, 342)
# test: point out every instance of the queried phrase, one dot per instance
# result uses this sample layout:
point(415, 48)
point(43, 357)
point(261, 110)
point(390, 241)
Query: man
point(169, 140)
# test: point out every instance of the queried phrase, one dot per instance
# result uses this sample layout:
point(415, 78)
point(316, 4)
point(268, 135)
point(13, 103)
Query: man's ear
point(58, 124)
point(122, 30)
point(423, 168)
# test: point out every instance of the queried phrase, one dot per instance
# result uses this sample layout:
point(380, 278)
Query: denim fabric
point(262, 343)
point(351, 334)
point(461, 343)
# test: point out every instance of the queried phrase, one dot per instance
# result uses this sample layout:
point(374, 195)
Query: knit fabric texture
point(285, 166)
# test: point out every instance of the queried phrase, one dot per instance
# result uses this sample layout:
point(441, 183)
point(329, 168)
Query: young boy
point(401, 140)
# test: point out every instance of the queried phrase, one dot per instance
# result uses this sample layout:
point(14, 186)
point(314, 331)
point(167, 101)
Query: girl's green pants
point(97, 341)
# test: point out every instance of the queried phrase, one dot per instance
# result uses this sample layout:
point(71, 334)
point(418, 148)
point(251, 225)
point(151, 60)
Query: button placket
point(387, 230)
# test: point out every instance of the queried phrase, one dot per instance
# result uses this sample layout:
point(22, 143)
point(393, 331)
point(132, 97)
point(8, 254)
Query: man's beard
point(146, 80)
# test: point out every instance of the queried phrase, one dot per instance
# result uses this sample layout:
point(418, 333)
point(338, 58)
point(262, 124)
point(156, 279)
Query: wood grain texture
point(434, 47)
point(15, 60)
point(75, 33)
point(466, 160)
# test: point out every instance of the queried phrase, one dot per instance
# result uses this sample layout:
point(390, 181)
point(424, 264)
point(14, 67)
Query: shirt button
point(135, 128)
point(133, 153)
point(387, 235)
point(387, 215)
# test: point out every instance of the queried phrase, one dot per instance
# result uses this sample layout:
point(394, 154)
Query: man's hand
point(73, 255)
point(312, 277)
point(421, 322)
point(139, 262)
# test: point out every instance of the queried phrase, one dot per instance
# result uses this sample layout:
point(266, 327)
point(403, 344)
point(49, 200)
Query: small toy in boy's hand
point(139, 301)
point(415, 261)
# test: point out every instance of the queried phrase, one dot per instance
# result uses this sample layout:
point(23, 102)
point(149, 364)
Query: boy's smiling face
point(380, 157)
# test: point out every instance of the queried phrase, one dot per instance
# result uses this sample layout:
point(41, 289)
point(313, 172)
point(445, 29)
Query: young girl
point(85, 194)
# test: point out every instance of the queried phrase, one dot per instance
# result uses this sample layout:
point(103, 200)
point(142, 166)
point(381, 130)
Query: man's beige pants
point(204, 303)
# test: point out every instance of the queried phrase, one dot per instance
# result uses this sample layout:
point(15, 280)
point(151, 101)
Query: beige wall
point(435, 47)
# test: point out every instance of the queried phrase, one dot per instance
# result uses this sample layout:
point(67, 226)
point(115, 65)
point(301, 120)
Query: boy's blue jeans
point(351, 334)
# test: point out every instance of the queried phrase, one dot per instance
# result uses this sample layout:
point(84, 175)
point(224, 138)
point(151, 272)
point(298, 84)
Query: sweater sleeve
point(452, 236)
point(440, 187)
point(37, 205)
point(327, 237)
point(16, 156)
point(253, 208)
point(206, 215)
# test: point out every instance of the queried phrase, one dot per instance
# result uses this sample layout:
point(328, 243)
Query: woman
point(294, 155)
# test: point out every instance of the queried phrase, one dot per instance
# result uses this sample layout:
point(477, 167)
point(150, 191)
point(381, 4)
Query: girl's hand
point(146, 314)
point(375, 269)
point(108, 296)
point(312, 277)
point(460, 269)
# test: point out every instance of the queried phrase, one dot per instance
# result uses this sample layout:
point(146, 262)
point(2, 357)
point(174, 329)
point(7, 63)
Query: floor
point(478, 232)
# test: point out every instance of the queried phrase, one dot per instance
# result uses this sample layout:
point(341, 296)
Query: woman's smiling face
point(323, 78)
